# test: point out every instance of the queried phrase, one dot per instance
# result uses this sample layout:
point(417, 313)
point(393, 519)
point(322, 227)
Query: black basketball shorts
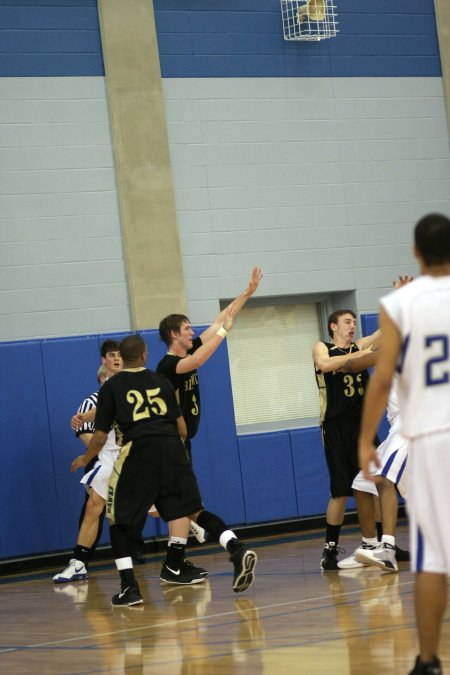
point(340, 440)
point(152, 470)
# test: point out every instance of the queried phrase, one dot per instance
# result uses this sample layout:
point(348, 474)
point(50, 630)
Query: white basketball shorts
point(429, 502)
point(98, 477)
point(393, 453)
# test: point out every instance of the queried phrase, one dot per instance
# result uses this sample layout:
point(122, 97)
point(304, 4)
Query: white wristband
point(222, 332)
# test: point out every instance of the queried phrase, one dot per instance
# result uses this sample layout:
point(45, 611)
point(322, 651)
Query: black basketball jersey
point(186, 387)
point(137, 403)
point(341, 394)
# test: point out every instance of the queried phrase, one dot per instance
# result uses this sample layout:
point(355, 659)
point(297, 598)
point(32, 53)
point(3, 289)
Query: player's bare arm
point(96, 443)
point(326, 363)
point(355, 365)
point(237, 303)
point(370, 341)
point(202, 354)
point(85, 439)
point(79, 419)
point(377, 393)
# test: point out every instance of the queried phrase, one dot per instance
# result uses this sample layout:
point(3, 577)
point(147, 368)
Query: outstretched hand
point(402, 281)
point(253, 284)
point(78, 462)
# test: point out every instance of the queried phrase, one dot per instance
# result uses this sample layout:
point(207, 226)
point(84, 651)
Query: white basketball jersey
point(421, 311)
point(392, 408)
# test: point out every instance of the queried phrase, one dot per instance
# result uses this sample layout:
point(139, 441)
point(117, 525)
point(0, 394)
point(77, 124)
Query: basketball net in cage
point(311, 20)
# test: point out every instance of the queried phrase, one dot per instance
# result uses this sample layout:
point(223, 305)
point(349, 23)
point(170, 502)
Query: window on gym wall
point(272, 372)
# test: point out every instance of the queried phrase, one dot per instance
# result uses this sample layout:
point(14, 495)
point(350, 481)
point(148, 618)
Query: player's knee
point(94, 506)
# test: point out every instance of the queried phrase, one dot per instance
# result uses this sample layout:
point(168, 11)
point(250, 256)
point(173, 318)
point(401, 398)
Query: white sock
point(177, 540)
point(371, 541)
point(388, 539)
point(225, 538)
point(124, 564)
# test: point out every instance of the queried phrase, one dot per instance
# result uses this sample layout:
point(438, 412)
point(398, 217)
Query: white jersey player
point(415, 341)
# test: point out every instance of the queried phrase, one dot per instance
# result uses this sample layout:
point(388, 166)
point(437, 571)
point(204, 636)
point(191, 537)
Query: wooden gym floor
point(294, 619)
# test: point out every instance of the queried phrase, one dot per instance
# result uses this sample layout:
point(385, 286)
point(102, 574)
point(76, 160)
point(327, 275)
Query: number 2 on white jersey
point(433, 373)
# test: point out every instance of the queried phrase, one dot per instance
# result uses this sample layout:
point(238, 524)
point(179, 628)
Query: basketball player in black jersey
point(341, 396)
point(187, 353)
point(152, 468)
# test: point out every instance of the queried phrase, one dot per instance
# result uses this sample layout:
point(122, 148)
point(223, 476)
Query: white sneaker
point(198, 532)
point(75, 571)
point(352, 562)
point(383, 556)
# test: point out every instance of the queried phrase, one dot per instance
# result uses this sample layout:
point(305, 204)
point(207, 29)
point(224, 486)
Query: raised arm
point(203, 353)
point(237, 303)
point(326, 363)
point(372, 341)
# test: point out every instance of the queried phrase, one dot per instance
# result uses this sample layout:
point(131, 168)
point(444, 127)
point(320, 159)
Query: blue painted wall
point(225, 38)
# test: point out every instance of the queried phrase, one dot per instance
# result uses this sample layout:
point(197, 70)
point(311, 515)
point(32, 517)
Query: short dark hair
point(132, 347)
point(432, 239)
point(109, 346)
point(334, 317)
point(172, 322)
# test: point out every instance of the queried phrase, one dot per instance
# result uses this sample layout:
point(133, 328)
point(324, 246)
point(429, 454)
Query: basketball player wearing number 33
point(341, 396)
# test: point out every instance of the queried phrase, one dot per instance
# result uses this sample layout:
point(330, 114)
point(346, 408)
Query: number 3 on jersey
point(350, 385)
point(435, 372)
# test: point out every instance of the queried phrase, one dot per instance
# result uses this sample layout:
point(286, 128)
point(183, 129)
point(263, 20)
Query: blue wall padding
point(310, 471)
point(369, 323)
point(247, 479)
point(268, 477)
point(28, 505)
point(70, 368)
point(215, 448)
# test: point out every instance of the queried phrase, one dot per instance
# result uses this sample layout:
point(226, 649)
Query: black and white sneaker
point(244, 561)
point(130, 596)
point(75, 571)
point(200, 570)
point(428, 668)
point(329, 556)
point(383, 556)
point(402, 555)
point(185, 575)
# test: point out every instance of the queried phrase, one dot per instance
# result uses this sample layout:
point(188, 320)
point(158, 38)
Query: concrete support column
point(144, 176)
point(442, 9)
